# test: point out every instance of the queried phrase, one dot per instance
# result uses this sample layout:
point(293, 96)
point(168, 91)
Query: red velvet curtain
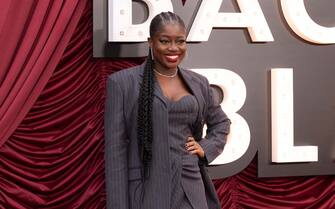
point(33, 37)
point(54, 158)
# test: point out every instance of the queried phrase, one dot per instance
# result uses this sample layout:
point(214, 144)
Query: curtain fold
point(246, 190)
point(54, 158)
point(34, 35)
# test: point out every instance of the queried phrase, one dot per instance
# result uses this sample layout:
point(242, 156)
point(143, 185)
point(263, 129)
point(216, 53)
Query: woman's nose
point(173, 46)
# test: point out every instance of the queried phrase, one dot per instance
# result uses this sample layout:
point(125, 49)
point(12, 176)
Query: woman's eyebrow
point(168, 36)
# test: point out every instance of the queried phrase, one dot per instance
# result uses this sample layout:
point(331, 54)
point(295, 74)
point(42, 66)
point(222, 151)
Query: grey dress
point(187, 188)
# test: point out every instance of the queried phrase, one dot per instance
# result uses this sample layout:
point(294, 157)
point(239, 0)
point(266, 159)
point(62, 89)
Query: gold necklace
point(167, 76)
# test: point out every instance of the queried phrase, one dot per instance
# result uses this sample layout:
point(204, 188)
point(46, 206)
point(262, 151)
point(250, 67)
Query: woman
point(154, 117)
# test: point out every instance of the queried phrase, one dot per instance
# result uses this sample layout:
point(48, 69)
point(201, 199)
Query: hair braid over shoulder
point(144, 118)
point(145, 101)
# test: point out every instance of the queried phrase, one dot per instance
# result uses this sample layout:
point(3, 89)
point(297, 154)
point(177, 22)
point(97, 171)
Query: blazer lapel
point(195, 89)
point(157, 90)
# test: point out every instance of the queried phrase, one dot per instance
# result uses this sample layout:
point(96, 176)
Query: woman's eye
point(181, 41)
point(164, 41)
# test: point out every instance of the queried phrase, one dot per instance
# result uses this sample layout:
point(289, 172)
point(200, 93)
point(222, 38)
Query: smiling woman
point(168, 48)
point(154, 151)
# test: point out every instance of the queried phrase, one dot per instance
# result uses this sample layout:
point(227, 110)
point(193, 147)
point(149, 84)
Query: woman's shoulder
point(127, 74)
point(195, 76)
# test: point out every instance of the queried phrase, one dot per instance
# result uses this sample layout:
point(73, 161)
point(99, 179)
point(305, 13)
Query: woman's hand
point(194, 148)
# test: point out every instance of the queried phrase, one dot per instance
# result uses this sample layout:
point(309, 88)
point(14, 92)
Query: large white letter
point(234, 91)
point(301, 23)
point(283, 149)
point(251, 17)
point(120, 27)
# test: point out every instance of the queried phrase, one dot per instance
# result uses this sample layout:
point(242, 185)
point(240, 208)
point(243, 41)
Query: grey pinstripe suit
point(123, 166)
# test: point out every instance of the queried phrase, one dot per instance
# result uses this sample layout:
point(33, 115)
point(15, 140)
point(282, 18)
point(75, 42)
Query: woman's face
point(168, 47)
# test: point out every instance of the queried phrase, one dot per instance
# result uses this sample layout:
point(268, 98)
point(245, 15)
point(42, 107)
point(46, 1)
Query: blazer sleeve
point(116, 143)
point(218, 127)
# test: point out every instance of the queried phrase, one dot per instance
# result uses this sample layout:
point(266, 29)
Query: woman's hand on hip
point(194, 148)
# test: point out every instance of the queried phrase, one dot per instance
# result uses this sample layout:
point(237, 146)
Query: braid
point(162, 19)
point(144, 118)
point(145, 100)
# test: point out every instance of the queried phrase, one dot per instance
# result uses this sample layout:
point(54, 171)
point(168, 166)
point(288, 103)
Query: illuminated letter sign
point(235, 93)
point(251, 17)
point(301, 23)
point(120, 26)
point(283, 149)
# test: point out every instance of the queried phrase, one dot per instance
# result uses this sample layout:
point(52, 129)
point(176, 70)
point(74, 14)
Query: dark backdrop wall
point(52, 103)
point(232, 49)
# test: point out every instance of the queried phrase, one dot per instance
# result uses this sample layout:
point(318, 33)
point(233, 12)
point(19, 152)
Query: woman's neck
point(165, 72)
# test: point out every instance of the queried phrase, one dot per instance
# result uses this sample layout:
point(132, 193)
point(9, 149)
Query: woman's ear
point(150, 42)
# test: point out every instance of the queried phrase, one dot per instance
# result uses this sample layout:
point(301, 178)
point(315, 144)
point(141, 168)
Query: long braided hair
point(145, 101)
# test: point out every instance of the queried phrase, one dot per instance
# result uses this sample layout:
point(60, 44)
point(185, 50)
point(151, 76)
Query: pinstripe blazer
point(125, 189)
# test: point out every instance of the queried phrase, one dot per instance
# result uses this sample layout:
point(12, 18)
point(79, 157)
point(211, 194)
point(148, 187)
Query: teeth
point(173, 57)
